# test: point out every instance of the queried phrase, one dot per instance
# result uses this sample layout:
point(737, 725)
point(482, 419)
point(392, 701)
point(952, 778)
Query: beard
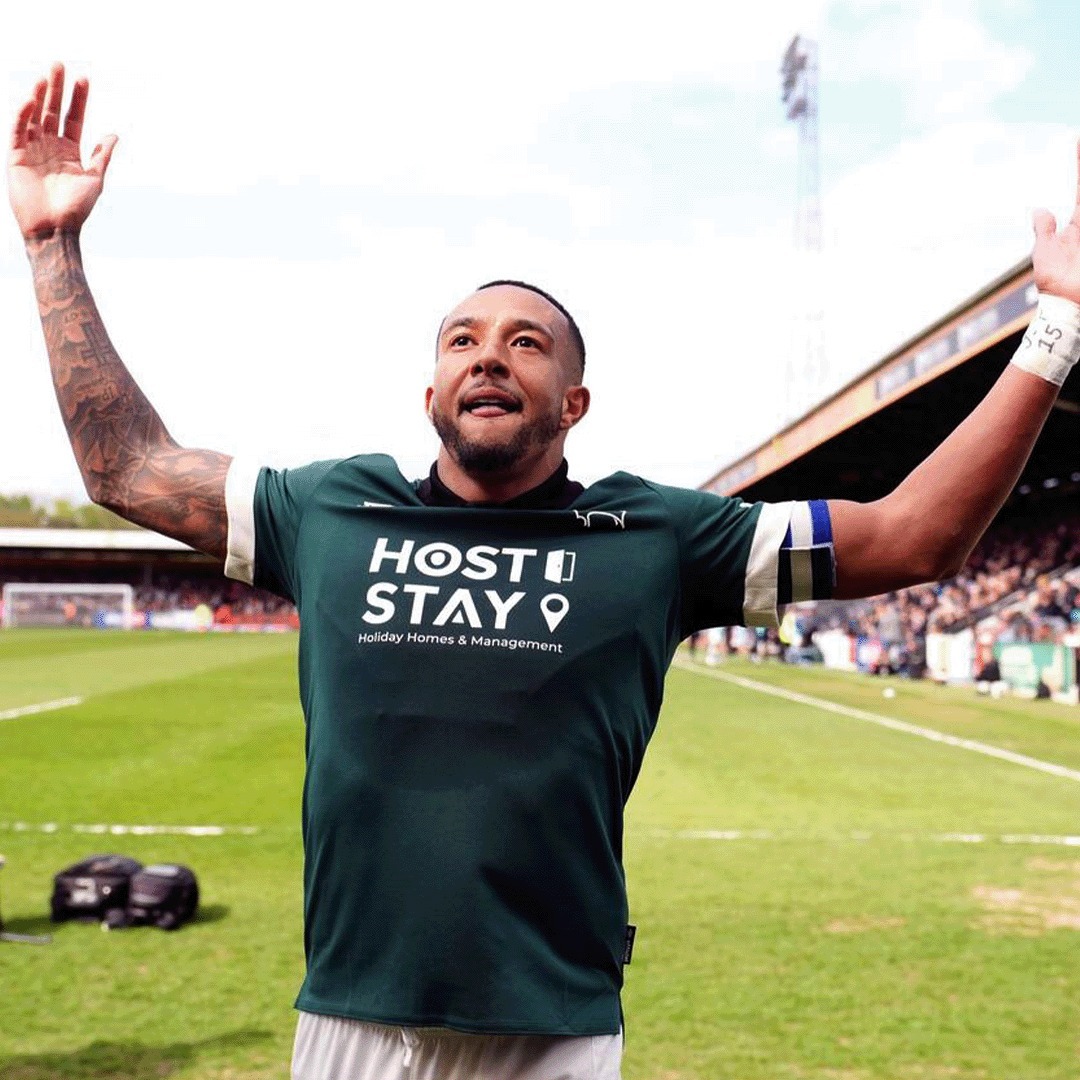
point(493, 458)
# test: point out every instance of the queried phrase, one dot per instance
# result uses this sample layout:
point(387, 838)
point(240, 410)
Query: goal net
point(102, 607)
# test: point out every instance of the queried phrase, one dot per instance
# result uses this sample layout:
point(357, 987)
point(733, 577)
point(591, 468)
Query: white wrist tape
point(1052, 343)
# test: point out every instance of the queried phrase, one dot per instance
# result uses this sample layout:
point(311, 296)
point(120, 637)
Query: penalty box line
point(889, 722)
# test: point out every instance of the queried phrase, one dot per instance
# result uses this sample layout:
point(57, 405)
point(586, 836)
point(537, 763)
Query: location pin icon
point(554, 608)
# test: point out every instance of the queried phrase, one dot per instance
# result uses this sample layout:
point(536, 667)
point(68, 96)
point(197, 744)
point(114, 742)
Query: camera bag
point(164, 895)
point(92, 888)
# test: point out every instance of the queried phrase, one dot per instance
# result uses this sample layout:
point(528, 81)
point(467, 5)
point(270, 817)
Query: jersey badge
point(601, 519)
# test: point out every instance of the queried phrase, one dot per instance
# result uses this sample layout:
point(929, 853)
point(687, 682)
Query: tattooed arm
point(129, 461)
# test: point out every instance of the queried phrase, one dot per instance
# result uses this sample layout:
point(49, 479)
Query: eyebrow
point(514, 327)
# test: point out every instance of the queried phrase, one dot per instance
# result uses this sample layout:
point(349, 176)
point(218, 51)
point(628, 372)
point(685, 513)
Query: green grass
point(837, 936)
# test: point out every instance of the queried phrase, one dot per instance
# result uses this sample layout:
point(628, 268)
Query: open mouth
point(487, 403)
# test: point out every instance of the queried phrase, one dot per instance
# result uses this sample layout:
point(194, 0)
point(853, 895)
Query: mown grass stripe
point(40, 707)
point(904, 726)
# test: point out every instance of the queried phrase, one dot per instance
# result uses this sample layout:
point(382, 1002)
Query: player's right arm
point(129, 461)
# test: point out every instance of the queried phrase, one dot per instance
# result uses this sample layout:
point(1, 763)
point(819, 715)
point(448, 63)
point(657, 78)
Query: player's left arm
point(925, 529)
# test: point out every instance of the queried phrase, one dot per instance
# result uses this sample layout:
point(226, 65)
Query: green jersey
point(479, 687)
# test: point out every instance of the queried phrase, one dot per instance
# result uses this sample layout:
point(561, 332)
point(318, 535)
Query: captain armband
point(1052, 343)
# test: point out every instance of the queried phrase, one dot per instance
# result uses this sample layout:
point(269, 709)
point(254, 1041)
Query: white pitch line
point(730, 835)
point(1034, 838)
point(41, 706)
point(131, 830)
point(887, 722)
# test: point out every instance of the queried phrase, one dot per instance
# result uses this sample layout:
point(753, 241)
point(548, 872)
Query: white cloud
point(439, 95)
point(941, 52)
point(920, 229)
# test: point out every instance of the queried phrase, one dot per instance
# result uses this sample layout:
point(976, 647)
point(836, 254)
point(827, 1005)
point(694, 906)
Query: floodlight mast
point(799, 93)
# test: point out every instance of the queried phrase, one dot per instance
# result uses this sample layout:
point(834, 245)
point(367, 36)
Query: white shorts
point(332, 1048)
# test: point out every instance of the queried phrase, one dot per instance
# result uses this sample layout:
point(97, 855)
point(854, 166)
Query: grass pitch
point(817, 898)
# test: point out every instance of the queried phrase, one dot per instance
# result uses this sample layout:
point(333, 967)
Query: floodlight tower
point(799, 92)
point(799, 72)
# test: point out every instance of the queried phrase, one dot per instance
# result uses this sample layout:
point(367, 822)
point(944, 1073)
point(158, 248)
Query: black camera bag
point(164, 895)
point(92, 888)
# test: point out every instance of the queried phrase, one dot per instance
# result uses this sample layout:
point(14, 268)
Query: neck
point(498, 487)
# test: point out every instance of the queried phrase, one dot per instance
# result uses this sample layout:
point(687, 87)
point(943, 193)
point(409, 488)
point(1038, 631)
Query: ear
point(429, 401)
point(575, 406)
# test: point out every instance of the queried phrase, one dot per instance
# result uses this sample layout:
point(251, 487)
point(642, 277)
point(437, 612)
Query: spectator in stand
point(914, 664)
point(891, 630)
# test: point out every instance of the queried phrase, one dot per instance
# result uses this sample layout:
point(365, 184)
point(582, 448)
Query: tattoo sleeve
point(129, 461)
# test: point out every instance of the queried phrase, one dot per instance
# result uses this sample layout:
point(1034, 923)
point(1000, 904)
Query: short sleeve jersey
point(479, 687)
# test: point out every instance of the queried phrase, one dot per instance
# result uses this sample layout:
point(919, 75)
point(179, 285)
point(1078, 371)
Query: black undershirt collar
point(557, 492)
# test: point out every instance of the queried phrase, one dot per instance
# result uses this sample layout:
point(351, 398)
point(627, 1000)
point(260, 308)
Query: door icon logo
point(560, 566)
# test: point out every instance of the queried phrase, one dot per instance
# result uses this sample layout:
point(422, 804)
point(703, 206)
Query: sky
point(300, 193)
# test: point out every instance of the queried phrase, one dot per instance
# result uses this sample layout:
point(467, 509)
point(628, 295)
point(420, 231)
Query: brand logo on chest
point(437, 601)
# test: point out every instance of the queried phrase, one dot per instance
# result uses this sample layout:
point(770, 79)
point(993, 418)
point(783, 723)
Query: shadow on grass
point(42, 924)
point(122, 1061)
point(30, 924)
point(211, 913)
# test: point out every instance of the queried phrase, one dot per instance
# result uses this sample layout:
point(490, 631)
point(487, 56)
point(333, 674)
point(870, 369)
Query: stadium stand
point(1020, 586)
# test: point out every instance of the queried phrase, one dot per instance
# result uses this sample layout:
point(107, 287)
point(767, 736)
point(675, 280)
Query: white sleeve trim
point(240, 506)
point(802, 541)
point(802, 526)
point(762, 567)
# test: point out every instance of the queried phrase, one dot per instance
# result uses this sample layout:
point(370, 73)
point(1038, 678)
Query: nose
point(491, 360)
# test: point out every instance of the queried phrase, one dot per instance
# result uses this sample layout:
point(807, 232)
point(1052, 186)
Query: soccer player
point(482, 653)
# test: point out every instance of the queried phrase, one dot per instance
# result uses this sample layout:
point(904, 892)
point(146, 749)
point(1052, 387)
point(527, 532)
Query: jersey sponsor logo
point(461, 607)
point(437, 603)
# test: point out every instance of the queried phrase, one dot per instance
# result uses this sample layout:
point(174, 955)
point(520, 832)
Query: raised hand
point(1056, 256)
point(49, 189)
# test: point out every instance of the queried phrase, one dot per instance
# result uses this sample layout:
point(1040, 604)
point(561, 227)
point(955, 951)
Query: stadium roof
point(90, 539)
point(860, 442)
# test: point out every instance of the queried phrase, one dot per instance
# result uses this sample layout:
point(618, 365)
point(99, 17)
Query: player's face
point(507, 380)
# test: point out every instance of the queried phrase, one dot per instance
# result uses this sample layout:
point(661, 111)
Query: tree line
point(28, 512)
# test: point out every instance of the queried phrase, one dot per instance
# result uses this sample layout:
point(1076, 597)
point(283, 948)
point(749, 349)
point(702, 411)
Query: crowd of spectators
point(230, 601)
point(1013, 559)
point(1016, 586)
point(1021, 584)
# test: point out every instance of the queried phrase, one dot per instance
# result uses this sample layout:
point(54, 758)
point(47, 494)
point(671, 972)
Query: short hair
point(575, 332)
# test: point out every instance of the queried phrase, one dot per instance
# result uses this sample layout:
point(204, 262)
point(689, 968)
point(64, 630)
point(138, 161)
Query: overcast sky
point(300, 193)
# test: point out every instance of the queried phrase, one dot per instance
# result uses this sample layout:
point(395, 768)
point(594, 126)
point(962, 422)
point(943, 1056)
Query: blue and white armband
point(806, 568)
point(791, 559)
point(1052, 343)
